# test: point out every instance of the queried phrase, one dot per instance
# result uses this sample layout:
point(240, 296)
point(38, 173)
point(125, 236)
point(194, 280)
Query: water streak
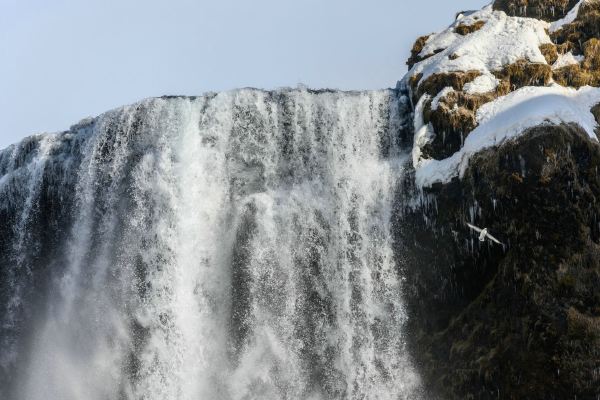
point(230, 246)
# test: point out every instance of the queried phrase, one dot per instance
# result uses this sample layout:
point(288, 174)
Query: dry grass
point(588, 7)
point(436, 82)
point(581, 38)
point(467, 29)
point(461, 108)
point(572, 75)
point(453, 120)
point(550, 52)
point(591, 51)
point(416, 50)
point(586, 26)
point(525, 73)
point(455, 116)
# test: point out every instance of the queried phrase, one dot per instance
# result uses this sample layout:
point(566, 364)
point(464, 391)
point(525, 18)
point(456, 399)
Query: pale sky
point(63, 60)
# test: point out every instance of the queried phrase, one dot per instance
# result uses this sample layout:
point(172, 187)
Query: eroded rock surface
point(521, 321)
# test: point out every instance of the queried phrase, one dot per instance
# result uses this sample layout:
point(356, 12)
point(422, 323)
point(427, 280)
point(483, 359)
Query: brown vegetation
point(525, 73)
point(455, 118)
point(455, 115)
point(416, 50)
point(591, 51)
point(588, 73)
point(581, 38)
point(451, 126)
point(436, 82)
point(463, 29)
point(585, 27)
point(550, 52)
point(576, 76)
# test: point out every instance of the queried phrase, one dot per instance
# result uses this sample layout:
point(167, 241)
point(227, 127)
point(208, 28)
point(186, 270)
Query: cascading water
point(230, 246)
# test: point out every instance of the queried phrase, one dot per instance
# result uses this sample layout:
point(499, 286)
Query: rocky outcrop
point(456, 119)
point(416, 50)
point(548, 10)
point(581, 37)
point(520, 321)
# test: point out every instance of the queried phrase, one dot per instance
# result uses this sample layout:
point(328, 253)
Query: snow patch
point(501, 41)
point(564, 60)
point(435, 103)
point(482, 84)
point(569, 18)
point(508, 117)
point(423, 132)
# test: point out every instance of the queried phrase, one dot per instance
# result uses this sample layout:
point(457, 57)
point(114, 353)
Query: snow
point(482, 84)
point(564, 60)
point(569, 18)
point(436, 100)
point(502, 40)
point(506, 118)
point(423, 132)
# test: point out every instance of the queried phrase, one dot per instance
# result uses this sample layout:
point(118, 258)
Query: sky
point(64, 60)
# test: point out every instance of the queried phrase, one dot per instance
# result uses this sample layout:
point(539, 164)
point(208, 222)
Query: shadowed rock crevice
point(548, 10)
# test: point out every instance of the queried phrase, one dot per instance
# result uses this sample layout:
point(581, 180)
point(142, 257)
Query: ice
point(570, 17)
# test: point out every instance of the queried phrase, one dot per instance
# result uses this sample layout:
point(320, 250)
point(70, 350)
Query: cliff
point(505, 121)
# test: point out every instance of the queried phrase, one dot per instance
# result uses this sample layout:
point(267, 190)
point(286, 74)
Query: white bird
point(484, 234)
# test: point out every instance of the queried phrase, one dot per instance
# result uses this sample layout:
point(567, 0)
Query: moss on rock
point(437, 82)
point(576, 76)
point(550, 52)
point(416, 50)
point(519, 322)
point(525, 73)
point(463, 29)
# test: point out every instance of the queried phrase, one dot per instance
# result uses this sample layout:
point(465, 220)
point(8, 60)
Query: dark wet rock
point(548, 10)
point(520, 322)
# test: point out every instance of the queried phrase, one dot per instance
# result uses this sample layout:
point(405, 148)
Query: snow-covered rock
point(564, 60)
point(500, 43)
point(502, 40)
point(507, 118)
point(569, 18)
point(482, 84)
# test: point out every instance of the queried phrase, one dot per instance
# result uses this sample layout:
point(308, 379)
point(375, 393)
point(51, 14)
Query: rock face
point(523, 321)
point(548, 10)
point(520, 321)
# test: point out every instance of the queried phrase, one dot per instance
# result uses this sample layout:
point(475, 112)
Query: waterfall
point(230, 246)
